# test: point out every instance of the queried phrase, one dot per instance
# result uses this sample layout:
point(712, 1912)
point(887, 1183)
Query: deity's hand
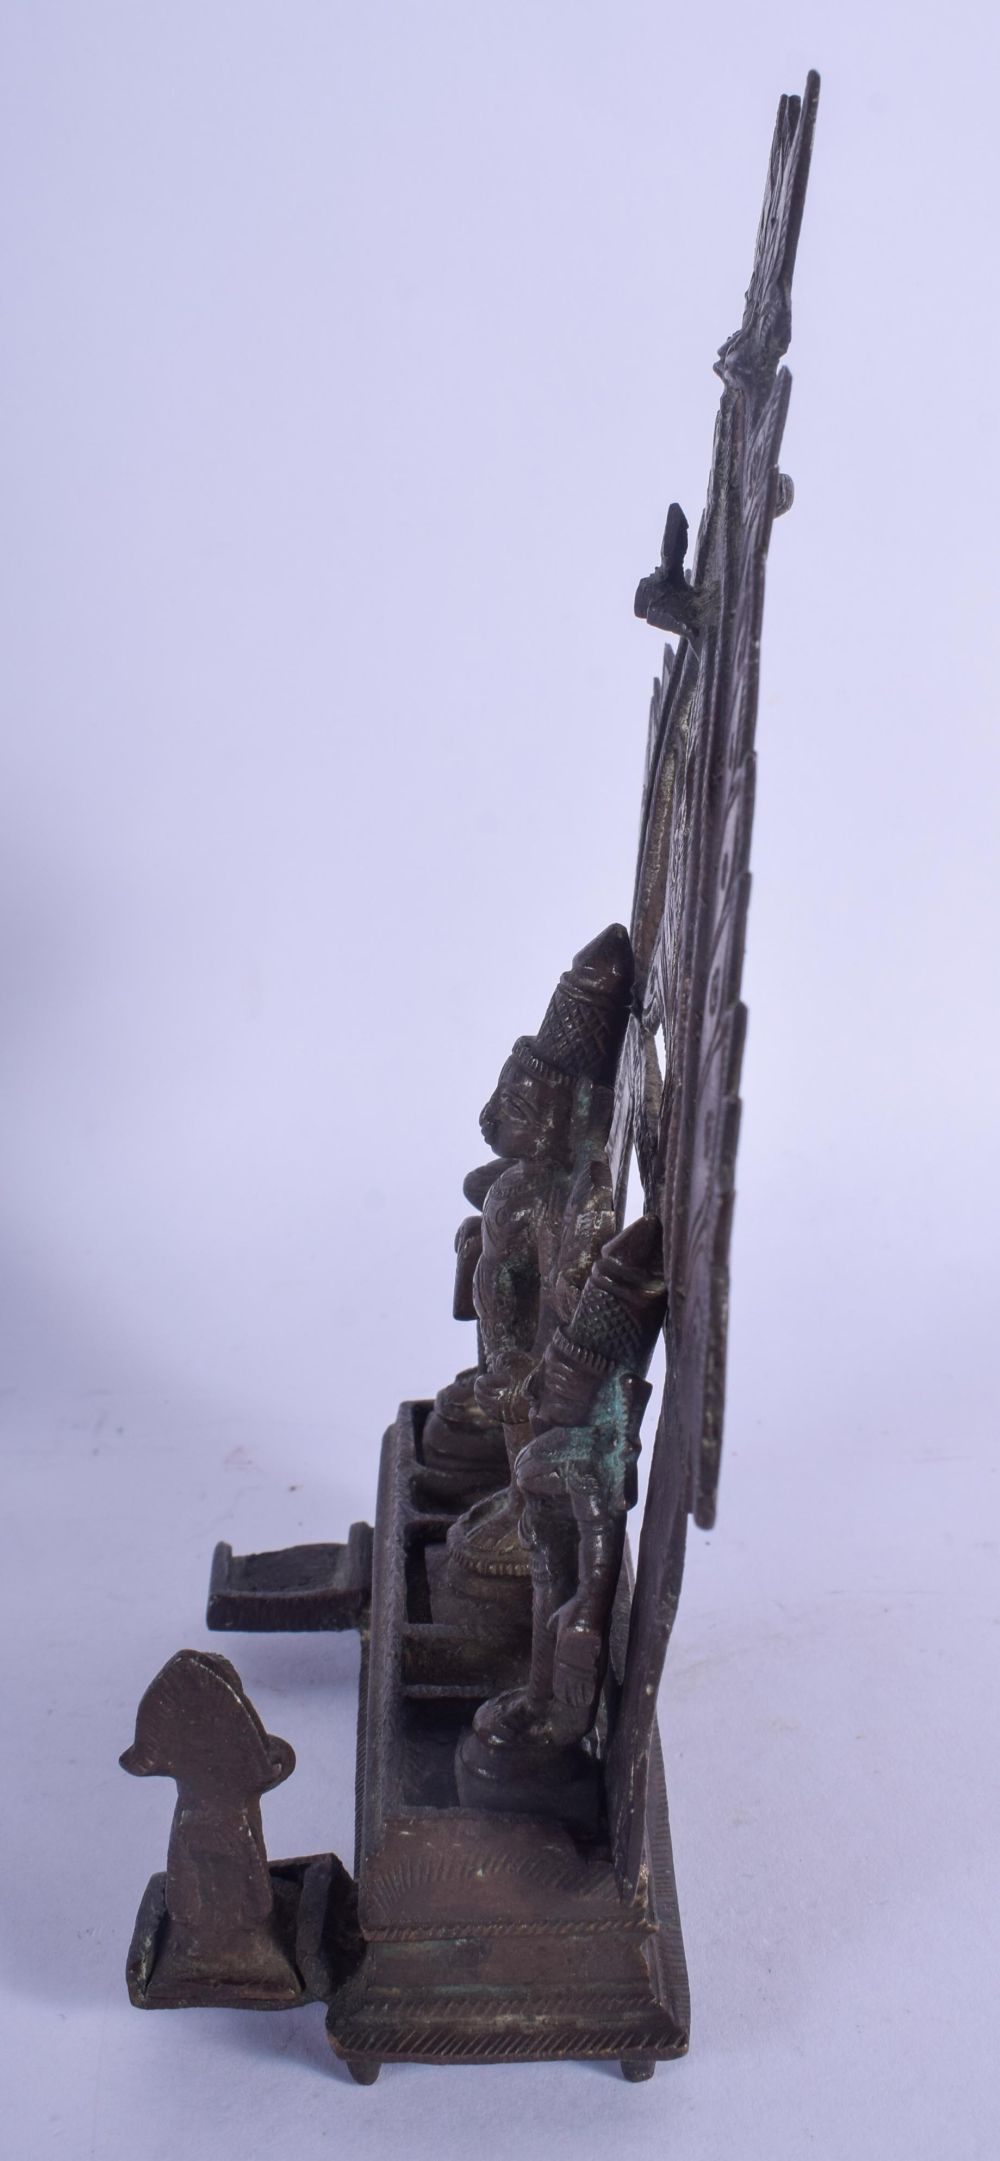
point(576, 1668)
point(457, 1399)
point(500, 1392)
point(540, 1469)
point(531, 1525)
point(575, 1618)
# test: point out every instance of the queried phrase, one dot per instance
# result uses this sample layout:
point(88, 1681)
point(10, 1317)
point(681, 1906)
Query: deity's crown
point(584, 1026)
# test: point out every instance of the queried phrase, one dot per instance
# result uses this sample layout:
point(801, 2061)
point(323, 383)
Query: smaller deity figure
point(195, 1724)
point(576, 1478)
point(545, 1219)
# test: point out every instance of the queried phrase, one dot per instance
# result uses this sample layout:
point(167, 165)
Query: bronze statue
point(515, 1894)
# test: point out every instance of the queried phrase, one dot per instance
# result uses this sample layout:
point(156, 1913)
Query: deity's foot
point(462, 1453)
point(512, 1721)
point(512, 1760)
point(476, 1448)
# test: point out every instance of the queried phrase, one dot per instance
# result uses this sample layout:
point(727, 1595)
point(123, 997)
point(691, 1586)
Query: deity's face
point(524, 1117)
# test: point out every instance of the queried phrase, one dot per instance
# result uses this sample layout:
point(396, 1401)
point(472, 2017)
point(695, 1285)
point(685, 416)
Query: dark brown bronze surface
point(514, 1892)
point(300, 1587)
point(688, 928)
point(221, 1927)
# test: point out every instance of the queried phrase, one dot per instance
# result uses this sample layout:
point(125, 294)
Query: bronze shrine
point(513, 1892)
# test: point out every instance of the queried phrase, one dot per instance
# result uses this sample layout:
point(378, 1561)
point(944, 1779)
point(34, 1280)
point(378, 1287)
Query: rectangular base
point(564, 1996)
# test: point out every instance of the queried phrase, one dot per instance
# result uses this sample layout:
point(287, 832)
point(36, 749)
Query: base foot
point(637, 2068)
point(364, 2070)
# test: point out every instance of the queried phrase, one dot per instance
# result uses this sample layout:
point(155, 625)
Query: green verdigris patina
point(576, 1479)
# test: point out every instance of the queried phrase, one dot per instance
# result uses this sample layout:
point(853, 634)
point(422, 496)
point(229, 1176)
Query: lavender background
point(351, 358)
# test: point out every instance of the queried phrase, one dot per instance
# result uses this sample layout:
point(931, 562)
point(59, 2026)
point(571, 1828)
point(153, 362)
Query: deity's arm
point(469, 1237)
point(468, 1247)
point(582, 1476)
point(507, 1289)
point(588, 1223)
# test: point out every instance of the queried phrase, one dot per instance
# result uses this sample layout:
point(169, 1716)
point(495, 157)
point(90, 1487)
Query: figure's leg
point(549, 1529)
point(580, 1636)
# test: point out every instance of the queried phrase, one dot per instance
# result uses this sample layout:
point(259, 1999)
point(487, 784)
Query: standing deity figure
point(577, 1481)
point(545, 1220)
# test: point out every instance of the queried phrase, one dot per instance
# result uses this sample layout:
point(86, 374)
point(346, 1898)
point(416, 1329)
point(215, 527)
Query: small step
point(305, 1588)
